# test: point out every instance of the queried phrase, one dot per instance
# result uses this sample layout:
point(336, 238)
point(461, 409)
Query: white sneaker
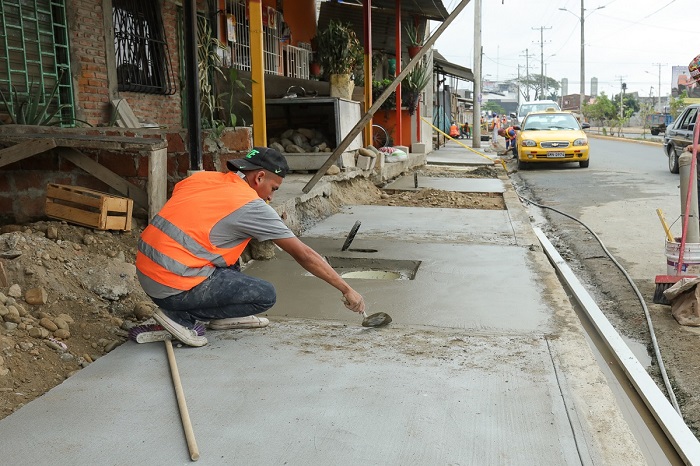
point(238, 322)
point(187, 336)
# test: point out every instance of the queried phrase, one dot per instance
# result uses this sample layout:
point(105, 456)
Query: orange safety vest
point(454, 130)
point(508, 136)
point(175, 249)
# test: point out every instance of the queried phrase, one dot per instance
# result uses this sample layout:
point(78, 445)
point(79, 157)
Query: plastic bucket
point(691, 258)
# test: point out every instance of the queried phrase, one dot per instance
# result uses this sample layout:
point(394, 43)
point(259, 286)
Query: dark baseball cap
point(261, 157)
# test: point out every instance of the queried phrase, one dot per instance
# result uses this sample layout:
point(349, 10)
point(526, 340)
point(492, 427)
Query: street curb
point(615, 138)
point(594, 409)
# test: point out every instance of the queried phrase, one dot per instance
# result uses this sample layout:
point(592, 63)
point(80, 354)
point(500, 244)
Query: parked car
point(552, 136)
point(679, 135)
point(534, 106)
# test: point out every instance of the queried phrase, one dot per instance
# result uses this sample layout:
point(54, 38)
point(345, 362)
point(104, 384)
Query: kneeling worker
point(510, 134)
point(187, 259)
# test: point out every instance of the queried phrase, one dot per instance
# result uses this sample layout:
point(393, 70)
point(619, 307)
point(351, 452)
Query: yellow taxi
point(552, 136)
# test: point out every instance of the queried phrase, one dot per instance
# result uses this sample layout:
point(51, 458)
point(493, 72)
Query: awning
point(431, 9)
point(442, 66)
point(383, 18)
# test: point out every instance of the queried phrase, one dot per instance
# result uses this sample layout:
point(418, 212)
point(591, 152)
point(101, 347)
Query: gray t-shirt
point(256, 220)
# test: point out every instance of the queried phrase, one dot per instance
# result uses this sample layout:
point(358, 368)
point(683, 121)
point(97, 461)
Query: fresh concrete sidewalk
point(485, 363)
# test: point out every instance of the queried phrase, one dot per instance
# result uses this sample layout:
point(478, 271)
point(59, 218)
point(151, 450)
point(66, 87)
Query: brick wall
point(89, 67)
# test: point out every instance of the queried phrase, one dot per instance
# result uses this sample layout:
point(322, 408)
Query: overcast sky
point(625, 40)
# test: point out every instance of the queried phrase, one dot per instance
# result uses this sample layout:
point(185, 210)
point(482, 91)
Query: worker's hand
point(354, 301)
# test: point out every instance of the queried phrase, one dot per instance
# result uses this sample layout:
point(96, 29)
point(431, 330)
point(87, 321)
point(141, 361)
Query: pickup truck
point(657, 122)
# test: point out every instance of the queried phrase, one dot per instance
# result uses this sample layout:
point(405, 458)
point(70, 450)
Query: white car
point(534, 106)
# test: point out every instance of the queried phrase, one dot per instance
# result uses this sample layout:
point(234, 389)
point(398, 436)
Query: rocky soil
point(69, 295)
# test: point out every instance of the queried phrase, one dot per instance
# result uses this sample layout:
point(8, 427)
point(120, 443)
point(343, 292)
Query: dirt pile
point(71, 293)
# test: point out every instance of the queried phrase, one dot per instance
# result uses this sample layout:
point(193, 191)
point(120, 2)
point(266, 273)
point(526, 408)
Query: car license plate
point(555, 155)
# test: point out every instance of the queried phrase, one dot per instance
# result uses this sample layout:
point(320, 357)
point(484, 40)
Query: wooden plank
point(54, 191)
point(106, 175)
point(72, 214)
point(24, 150)
point(86, 141)
point(125, 114)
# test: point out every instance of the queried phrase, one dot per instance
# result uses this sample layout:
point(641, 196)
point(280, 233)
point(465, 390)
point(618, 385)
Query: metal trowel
point(378, 319)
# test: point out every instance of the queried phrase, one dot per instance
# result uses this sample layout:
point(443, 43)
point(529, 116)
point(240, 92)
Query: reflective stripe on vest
point(175, 251)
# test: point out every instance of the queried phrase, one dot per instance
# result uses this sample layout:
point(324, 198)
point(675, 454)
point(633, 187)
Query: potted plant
point(415, 39)
point(413, 84)
point(339, 52)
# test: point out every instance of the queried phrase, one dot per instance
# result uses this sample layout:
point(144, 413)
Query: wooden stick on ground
point(181, 403)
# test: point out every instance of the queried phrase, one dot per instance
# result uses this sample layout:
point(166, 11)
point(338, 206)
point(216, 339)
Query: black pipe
point(194, 123)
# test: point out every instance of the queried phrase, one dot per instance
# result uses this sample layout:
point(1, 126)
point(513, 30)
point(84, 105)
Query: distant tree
point(629, 100)
point(678, 104)
point(492, 107)
point(543, 86)
point(601, 111)
point(645, 110)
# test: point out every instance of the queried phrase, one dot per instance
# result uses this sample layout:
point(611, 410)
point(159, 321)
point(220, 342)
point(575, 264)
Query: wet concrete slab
point(416, 223)
point(300, 393)
point(455, 285)
point(455, 154)
point(462, 185)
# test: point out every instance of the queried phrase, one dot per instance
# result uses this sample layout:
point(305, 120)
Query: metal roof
point(441, 65)
point(431, 9)
point(383, 19)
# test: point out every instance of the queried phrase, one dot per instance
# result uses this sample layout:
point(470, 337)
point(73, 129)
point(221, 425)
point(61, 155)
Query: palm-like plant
point(338, 48)
point(36, 107)
point(413, 84)
point(413, 34)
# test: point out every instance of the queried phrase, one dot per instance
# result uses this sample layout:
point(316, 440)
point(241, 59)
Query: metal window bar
point(34, 54)
point(142, 55)
point(297, 61)
point(238, 39)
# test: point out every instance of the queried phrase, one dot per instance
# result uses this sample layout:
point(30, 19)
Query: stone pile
point(300, 141)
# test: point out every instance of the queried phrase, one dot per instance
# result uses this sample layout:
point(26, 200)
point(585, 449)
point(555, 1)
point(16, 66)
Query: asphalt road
point(617, 198)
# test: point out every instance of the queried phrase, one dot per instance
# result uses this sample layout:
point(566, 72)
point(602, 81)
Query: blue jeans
point(228, 292)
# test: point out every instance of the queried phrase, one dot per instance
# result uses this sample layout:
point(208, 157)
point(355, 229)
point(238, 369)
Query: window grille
point(34, 55)
point(297, 62)
point(142, 56)
point(237, 37)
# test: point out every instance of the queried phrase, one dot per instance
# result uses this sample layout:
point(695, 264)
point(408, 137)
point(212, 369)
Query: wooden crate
point(88, 207)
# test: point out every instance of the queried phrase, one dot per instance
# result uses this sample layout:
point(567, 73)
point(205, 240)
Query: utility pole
point(518, 83)
point(623, 86)
point(542, 28)
point(583, 64)
point(476, 124)
point(658, 91)
point(527, 74)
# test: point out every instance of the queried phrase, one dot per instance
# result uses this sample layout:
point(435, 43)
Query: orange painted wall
point(387, 120)
point(300, 15)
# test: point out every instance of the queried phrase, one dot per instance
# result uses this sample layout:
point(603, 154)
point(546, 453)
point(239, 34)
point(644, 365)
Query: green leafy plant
point(339, 48)
point(237, 89)
point(413, 34)
point(413, 84)
point(208, 64)
point(377, 90)
point(34, 108)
